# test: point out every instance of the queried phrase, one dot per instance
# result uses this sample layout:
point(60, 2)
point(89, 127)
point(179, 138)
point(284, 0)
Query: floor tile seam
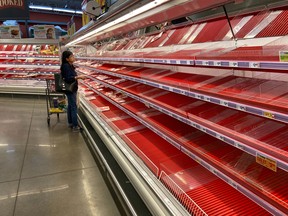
point(9, 181)
point(23, 161)
point(56, 173)
point(16, 102)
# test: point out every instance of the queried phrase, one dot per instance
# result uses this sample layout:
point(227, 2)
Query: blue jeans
point(72, 109)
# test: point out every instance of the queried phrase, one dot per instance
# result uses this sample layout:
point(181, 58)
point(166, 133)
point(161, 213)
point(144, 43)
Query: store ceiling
point(69, 4)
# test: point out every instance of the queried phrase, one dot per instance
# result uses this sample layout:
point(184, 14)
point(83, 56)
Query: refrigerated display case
point(200, 104)
point(26, 64)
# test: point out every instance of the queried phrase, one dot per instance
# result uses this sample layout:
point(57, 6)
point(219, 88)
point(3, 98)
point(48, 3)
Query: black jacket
point(68, 74)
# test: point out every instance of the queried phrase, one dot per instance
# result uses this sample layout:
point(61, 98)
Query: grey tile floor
point(46, 171)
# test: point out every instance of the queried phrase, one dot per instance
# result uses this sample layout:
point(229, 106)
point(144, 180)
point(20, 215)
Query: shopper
point(69, 75)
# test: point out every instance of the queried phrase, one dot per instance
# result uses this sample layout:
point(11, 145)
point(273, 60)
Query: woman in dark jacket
point(69, 75)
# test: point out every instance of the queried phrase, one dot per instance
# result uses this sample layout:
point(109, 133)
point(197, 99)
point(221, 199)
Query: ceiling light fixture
point(38, 7)
point(46, 8)
point(64, 10)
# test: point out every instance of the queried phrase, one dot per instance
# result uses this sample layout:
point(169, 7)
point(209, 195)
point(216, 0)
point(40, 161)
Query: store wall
point(37, 18)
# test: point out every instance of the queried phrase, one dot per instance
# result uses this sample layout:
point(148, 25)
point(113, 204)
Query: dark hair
point(49, 29)
point(66, 54)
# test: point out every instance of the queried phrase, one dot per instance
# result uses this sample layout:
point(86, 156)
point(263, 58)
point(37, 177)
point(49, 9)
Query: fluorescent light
point(63, 10)
point(38, 7)
point(134, 13)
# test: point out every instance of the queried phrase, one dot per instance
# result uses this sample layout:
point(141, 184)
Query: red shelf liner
point(278, 26)
point(267, 94)
point(10, 47)
point(19, 48)
point(177, 35)
point(29, 70)
point(255, 127)
point(208, 33)
point(174, 163)
point(173, 37)
point(23, 61)
point(232, 121)
point(252, 53)
point(24, 77)
point(222, 152)
point(245, 53)
point(202, 186)
point(251, 24)
point(231, 156)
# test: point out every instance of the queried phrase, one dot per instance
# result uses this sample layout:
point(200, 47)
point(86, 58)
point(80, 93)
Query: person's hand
point(81, 77)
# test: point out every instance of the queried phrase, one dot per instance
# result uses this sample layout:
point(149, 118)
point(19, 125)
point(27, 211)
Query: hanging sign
point(14, 9)
point(71, 28)
point(44, 32)
point(85, 19)
point(7, 32)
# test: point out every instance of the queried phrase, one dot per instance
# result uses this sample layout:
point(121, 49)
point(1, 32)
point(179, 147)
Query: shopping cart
point(55, 101)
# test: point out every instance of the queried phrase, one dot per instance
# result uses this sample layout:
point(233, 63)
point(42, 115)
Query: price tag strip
point(213, 133)
point(231, 182)
point(208, 63)
point(242, 107)
point(268, 162)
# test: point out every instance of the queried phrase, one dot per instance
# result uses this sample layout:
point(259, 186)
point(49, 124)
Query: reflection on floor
point(46, 170)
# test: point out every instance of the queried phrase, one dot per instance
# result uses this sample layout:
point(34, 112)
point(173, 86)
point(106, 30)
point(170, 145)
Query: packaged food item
point(55, 102)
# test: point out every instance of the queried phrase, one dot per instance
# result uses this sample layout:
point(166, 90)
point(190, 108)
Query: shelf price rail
point(176, 165)
point(271, 114)
point(107, 123)
point(217, 171)
point(205, 126)
point(254, 65)
point(171, 112)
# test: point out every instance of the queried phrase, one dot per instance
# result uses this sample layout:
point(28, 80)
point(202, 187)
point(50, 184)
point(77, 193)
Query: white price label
point(233, 64)
point(254, 64)
point(205, 63)
point(241, 107)
point(217, 63)
point(166, 88)
point(238, 145)
point(207, 98)
point(233, 184)
point(220, 137)
point(213, 170)
point(224, 103)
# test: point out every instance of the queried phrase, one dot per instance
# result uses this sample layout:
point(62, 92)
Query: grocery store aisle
point(46, 171)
